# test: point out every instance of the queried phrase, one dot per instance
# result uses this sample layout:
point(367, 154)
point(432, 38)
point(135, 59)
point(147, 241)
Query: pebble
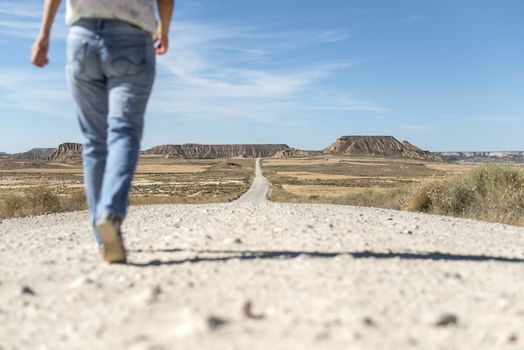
point(513, 338)
point(235, 240)
point(247, 311)
point(215, 322)
point(454, 275)
point(191, 322)
point(26, 290)
point(368, 321)
point(446, 319)
point(154, 294)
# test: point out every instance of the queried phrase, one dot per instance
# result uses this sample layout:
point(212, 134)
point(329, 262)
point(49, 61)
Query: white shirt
point(138, 12)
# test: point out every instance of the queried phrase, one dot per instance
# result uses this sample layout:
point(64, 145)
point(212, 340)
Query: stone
point(26, 290)
point(446, 320)
point(215, 322)
point(513, 338)
point(247, 311)
point(368, 321)
point(235, 240)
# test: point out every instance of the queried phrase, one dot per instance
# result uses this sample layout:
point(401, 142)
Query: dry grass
point(304, 175)
point(451, 168)
point(491, 193)
point(40, 201)
point(35, 188)
point(170, 168)
point(326, 190)
point(392, 198)
point(375, 182)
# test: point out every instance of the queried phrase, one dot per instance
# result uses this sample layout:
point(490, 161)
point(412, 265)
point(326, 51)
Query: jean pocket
point(127, 57)
point(76, 53)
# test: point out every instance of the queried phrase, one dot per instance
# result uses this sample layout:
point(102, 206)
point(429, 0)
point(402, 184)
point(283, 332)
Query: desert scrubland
point(487, 192)
point(42, 187)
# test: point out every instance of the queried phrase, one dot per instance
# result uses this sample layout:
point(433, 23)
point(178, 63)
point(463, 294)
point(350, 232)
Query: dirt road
point(259, 275)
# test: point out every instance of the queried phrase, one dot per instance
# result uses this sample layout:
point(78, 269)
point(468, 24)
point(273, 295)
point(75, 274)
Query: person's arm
point(41, 44)
point(165, 13)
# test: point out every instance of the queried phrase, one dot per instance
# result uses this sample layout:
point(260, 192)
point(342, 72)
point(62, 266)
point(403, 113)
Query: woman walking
point(110, 70)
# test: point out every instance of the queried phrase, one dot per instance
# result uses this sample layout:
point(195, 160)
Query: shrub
point(490, 192)
point(40, 201)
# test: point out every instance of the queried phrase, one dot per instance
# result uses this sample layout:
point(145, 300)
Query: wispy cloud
point(43, 92)
point(220, 71)
point(213, 71)
point(16, 8)
point(412, 19)
point(22, 20)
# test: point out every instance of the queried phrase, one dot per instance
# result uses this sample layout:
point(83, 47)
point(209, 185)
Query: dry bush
point(490, 192)
point(424, 196)
point(40, 201)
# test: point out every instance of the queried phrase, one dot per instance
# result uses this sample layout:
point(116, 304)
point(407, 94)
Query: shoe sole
point(113, 249)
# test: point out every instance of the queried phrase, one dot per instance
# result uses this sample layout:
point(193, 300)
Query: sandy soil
point(258, 275)
point(327, 190)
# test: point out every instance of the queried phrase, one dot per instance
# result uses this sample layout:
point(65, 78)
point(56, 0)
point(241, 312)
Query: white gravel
point(259, 275)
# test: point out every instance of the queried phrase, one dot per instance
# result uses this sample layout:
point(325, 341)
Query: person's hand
point(161, 43)
point(39, 51)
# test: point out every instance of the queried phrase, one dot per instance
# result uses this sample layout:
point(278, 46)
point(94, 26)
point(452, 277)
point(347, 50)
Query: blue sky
point(445, 75)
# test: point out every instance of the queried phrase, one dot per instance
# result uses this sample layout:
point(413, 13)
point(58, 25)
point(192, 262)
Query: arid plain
point(379, 182)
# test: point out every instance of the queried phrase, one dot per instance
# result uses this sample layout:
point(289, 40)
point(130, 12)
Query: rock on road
point(252, 274)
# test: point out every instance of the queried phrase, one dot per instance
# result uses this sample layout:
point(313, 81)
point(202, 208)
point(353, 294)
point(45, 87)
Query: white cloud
point(44, 92)
point(227, 72)
point(212, 71)
point(16, 8)
point(22, 20)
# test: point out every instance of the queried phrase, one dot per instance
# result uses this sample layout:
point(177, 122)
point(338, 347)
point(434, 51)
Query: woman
point(110, 70)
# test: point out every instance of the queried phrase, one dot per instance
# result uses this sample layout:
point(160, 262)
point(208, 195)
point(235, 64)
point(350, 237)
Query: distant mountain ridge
point(198, 151)
point(354, 146)
point(295, 153)
point(488, 157)
point(33, 154)
point(377, 146)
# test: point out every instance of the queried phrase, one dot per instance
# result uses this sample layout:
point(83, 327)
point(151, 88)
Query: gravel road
point(259, 275)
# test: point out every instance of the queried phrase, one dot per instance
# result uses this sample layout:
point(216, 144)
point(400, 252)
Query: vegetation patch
point(490, 192)
point(37, 188)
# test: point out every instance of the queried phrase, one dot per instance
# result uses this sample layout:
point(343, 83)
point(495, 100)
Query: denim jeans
point(110, 70)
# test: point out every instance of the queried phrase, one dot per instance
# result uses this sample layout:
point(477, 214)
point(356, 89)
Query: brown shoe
point(112, 247)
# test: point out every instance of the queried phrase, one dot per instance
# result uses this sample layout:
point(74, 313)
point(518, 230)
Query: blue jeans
point(110, 70)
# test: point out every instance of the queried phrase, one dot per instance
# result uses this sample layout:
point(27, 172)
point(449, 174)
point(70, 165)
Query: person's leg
point(89, 89)
point(129, 64)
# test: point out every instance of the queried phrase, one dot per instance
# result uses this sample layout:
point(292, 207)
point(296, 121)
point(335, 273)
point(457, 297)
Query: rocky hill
point(377, 146)
point(295, 153)
point(66, 151)
point(482, 157)
point(33, 154)
point(197, 151)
